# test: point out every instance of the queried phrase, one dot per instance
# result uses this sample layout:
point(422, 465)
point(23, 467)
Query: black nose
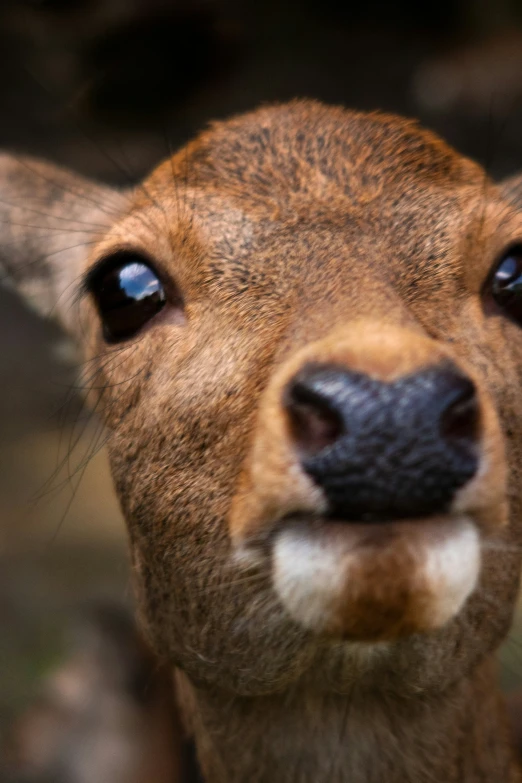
point(385, 450)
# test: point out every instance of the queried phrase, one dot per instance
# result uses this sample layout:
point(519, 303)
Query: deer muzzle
point(376, 470)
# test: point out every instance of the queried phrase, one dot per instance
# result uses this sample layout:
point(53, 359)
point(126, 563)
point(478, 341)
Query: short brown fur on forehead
point(278, 151)
point(375, 184)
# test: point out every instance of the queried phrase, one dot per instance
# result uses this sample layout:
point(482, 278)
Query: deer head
point(303, 335)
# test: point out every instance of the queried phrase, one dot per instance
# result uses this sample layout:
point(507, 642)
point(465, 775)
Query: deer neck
point(460, 736)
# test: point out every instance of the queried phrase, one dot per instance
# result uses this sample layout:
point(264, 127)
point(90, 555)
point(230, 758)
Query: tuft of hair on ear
point(49, 219)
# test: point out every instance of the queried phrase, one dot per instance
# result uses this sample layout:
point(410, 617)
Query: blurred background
point(108, 87)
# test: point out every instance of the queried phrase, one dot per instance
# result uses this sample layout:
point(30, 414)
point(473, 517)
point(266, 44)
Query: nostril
point(313, 421)
point(459, 421)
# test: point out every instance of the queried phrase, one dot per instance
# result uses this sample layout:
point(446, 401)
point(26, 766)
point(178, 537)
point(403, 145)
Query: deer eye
point(505, 284)
point(127, 292)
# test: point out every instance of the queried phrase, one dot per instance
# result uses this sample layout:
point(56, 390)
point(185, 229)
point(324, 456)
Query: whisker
point(52, 216)
point(74, 494)
point(48, 485)
point(49, 228)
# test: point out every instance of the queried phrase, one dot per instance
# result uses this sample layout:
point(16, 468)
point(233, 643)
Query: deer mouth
point(374, 582)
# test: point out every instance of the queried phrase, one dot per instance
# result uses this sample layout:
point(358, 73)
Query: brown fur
point(294, 233)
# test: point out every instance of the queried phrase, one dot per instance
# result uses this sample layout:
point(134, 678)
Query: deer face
point(303, 333)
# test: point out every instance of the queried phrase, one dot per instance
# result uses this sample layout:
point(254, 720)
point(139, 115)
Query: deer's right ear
point(49, 219)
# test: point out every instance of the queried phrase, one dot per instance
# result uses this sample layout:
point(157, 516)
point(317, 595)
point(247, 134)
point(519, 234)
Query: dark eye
point(505, 284)
point(127, 292)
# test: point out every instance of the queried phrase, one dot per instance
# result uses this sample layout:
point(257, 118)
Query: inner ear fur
point(49, 220)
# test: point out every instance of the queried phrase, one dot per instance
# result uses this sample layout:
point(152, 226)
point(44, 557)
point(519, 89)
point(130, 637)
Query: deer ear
point(49, 219)
point(511, 189)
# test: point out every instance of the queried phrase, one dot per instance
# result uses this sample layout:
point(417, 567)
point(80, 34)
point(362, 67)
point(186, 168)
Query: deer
point(302, 334)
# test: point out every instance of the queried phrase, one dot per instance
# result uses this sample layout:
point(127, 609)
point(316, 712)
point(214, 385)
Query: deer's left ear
point(49, 219)
point(511, 189)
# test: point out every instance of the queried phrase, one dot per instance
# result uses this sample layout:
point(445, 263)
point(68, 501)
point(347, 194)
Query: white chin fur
point(311, 572)
point(451, 569)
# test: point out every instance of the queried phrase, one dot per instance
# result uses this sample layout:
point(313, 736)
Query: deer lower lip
point(378, 581)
